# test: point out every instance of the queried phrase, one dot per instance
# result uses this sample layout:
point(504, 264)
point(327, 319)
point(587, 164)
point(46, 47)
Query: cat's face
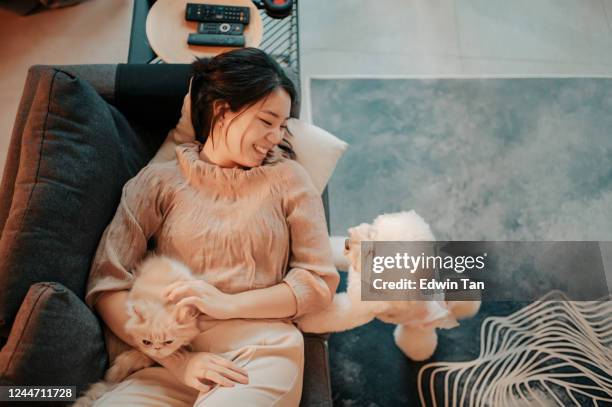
point(160, 330)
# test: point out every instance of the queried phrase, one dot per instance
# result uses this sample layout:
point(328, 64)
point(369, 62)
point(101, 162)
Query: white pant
point(272, 352)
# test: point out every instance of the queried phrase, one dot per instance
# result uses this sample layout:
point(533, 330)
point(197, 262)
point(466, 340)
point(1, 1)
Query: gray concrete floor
point(454, 37)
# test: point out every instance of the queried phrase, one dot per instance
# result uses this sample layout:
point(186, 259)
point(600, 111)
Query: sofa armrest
point(317, 381)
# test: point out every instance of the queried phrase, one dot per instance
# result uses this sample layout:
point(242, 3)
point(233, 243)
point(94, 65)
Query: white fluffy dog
point(416, 321)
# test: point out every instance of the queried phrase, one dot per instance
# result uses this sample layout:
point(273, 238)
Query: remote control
point(216, 39)
point(217, 13)
point(221, 28)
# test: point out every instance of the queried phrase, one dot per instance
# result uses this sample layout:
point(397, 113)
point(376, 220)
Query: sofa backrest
point(75, 152)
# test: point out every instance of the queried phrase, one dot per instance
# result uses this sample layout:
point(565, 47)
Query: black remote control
point(217, 13)
point(221, 28)
point(216, 39)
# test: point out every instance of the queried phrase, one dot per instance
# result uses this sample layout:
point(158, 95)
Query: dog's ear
point(352, 247)
point(365, 231)
point(358, 234)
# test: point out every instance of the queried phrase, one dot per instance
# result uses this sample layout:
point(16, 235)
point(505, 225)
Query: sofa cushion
point(76, 153)
point(55, 340)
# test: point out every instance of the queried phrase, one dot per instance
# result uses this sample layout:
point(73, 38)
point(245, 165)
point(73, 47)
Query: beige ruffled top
point(240, 229)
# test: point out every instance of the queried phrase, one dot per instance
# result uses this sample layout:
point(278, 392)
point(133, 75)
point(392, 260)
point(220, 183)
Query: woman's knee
point(289, 336)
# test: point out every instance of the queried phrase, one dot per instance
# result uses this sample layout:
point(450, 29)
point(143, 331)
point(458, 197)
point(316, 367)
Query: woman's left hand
point(206, 297)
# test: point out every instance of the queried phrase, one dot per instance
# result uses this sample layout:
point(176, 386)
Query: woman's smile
point(260, 150)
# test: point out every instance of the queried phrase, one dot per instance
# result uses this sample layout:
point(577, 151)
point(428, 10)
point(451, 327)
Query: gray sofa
point(80, 133)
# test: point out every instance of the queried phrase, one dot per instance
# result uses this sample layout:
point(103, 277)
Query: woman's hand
point(277, 301)
point(206, 297)
point(203, 370)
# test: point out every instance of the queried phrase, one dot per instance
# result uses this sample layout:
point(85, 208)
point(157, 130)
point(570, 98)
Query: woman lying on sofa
point(239, 211)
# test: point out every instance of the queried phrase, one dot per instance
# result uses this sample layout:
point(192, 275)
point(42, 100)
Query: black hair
point(240, 77)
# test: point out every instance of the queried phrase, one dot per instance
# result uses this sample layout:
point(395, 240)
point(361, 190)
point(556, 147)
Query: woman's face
point(243, 138)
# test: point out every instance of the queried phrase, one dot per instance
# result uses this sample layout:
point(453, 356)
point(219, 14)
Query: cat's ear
point(185, 313)
point(136, 312)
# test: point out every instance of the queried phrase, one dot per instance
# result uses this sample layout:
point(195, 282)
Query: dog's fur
point(416, 321)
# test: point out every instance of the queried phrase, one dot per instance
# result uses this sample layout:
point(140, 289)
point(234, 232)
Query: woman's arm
point(277, 301)
point(112, 309)
point(311, 281)
point(312, 276)
point(124, 241)
point(273, 302)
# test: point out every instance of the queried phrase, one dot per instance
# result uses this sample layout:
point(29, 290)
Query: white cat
point(157, 327)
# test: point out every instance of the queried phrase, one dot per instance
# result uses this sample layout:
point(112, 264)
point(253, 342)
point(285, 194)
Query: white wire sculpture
point(554, 352)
